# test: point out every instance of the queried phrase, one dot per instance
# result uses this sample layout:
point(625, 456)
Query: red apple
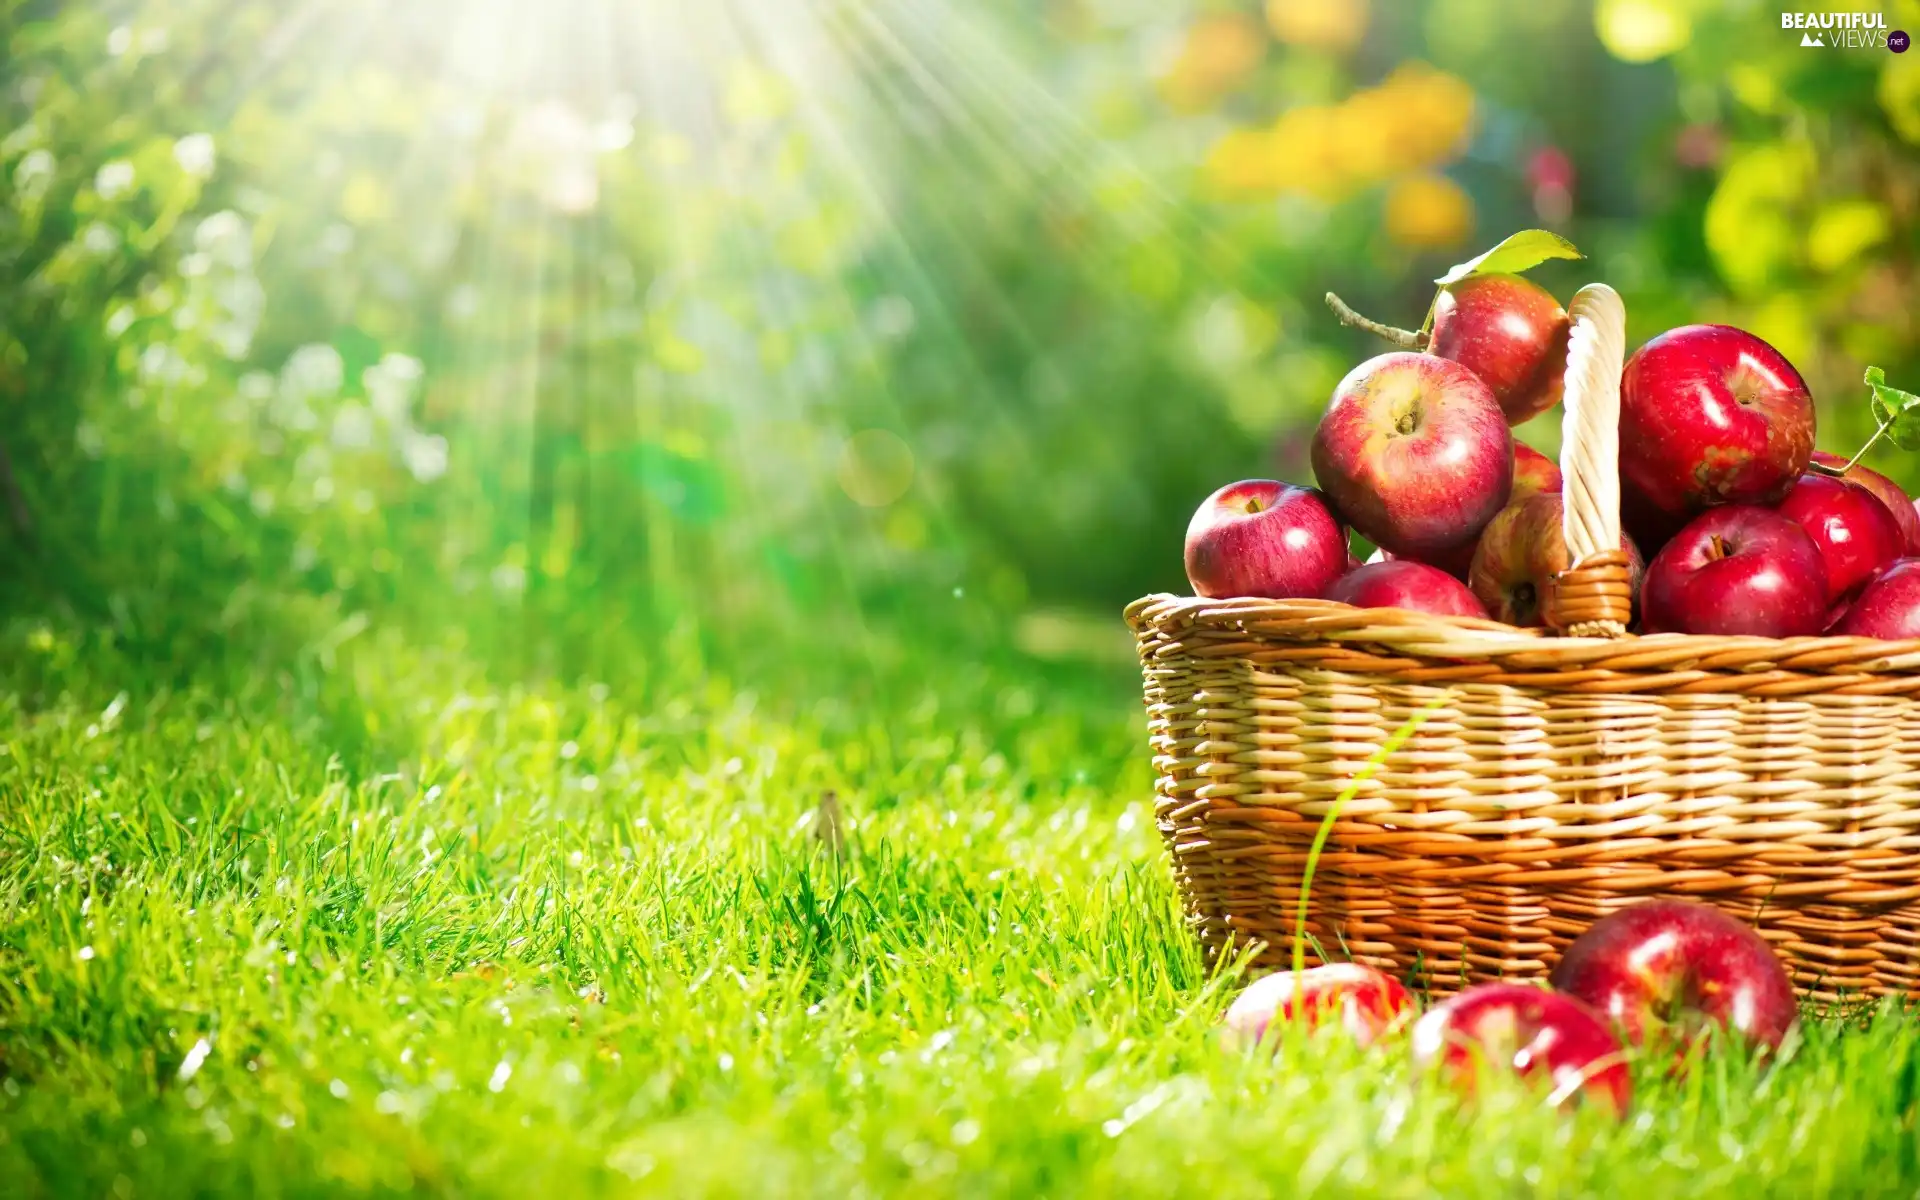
point(1737, 570)
point(1521, 556)
point(1891, 494)
point(1539, 1035)
point(1709, 415)
point(1414, 453)
point(1510, 332)
point(1888, 607)
point(1263, 538)
point(1413, 586)
point(1856, 536)
point(1363, 1002)
point(1674, 967)
point(1533, 473)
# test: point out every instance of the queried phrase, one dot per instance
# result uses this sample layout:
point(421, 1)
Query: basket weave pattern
point(1558, 778)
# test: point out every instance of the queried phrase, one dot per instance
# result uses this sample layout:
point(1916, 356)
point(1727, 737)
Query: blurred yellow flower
point(1427, 111)
point(1219, 52)
point(1417, 118)
point(1318, 24)
point(1243, 163)
point(1306, 152)
point(1428, 212)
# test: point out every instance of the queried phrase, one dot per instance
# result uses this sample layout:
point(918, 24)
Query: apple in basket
point(1671, 970)
point(1851, 527)
point(1363, 1002)
point(1260, 537)
point(1522, 554)
point(1510, 332)
point(1545, 1038)
point(1709, 415)
point(1888, 607)
point(1737, 570)
point(1414, 586)
point(1414, 453)
point(1533, 473)
point(1891, 494)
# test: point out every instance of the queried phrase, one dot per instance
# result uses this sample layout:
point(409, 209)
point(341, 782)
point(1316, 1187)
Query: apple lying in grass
point(1521, 554)
point(1510, 332)
point(1737, 570)
point(1669, 970)
point(1363, 1002)
point(1891, 494)
point(1888, 607)
point(1414, 453)
point(1709, 415)
point(1414, 586)
point(1853, 530)
point(1260, 537)
point(1544, 1037)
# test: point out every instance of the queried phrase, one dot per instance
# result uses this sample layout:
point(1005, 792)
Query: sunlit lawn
point(395, 928)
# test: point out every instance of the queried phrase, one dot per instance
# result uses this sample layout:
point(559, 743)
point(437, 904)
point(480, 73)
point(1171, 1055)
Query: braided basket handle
point(1593, 598)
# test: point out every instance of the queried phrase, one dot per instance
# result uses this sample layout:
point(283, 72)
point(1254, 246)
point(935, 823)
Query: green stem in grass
point(1394, 741)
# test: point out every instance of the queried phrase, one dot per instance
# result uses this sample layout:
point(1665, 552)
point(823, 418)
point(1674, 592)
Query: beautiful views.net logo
point(1852, 30)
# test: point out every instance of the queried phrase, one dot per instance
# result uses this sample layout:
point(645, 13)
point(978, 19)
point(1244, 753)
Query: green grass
point(392, 927)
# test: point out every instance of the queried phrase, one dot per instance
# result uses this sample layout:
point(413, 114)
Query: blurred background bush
point(795, 327)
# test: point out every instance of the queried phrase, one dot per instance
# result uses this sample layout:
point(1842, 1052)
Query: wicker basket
point(1561, 775)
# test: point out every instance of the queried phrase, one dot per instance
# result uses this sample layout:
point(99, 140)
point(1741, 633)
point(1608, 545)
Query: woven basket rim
point(1457, 639)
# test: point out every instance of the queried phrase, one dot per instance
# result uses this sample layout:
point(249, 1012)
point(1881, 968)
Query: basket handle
point(1594, 597)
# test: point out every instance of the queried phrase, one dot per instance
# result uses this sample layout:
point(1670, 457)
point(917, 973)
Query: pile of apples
point(1664, 976)
point(1733, 523)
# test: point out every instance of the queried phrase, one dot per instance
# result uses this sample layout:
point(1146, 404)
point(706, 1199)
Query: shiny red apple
point(1544, 1037)
point(1856, 536)
point(1414, 453)
point(1521, 555)
point(1260, 537)
point(1736, 570)
point(1666, 970)
point(1888, 607)
point(1891, 494)
point(1413, 586)
point(1362, 1002)
point(1709, 415)
point(1510, 332)
point(1533, 473)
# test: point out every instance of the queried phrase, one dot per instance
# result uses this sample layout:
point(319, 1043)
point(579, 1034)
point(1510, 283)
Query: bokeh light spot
point(1639, 31)
point(876, 468)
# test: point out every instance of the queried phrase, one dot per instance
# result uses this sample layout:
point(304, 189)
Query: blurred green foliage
point(765, 323)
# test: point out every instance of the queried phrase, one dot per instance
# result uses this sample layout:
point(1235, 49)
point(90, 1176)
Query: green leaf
point(1896, 411)
point(1528, 248)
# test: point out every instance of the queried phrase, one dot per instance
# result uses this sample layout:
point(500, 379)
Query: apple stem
point(1406, 339)
point(1840, 472)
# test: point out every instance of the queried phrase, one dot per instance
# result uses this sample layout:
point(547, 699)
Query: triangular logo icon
point(1811, 39)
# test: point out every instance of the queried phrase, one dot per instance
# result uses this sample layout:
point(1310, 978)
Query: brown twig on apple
point(1406, 339)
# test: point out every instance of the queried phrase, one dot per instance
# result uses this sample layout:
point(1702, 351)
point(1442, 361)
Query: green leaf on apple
point(1896, 412)
point(1528, 248)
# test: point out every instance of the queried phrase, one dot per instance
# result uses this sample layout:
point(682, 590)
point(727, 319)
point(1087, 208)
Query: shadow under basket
point(1558, 774)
